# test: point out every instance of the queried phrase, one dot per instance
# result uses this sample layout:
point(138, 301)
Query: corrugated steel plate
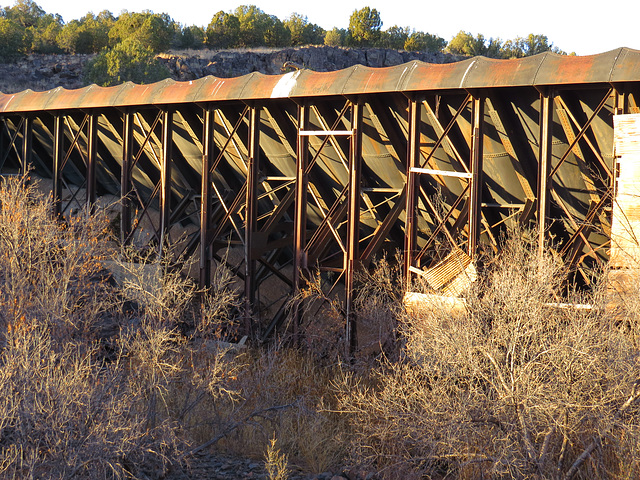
point(545, 69)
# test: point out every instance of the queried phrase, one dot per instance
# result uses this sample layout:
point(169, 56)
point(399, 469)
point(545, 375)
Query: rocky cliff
point(44, 72)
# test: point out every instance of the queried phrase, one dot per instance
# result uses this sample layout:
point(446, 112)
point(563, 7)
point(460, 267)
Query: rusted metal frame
point(436, 214)
point(565, 121)
point(273, 269)
point(125, 177)
point(165, 181)
point(545, 152)
point(339, 208)
point(594, 150)
point(27, 145)
point(577, 230)
point(276, 120)
point(242, 150)
point(290, 196)
point(443, 134)
point(587, 223)
point(311, 163)
point(332, 139)
point(511, 147)
point(230, 134)
point(75, 144)
point(582, 132)
point(476, 162)
point(145, 211)
point(352, 259)
point(75, 140)
point(443, 223)
point(381, 232)
point(396, 143)
point(620, 100)
point(12, 141)
point(92, 159)
point(208, 156)
point(58, 154)
point(412, 186)
point(326, 217)
point(251, 214)
point(229, 211)
point(300, 218)
point(336, 214)
point(148, 135)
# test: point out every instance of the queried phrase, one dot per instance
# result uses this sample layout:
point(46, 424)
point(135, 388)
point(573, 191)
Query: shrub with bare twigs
point(519, 385)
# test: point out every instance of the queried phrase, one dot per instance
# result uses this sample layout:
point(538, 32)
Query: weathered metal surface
point(282, 177)
point(545, 69)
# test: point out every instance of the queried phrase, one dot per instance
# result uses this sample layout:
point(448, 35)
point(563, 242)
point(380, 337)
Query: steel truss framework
point(324, 181)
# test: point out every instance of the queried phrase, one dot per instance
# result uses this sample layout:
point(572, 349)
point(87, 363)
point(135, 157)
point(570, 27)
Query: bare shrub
point(518, 386)
point(65, 415)
point(72, 402)
point(50, 270)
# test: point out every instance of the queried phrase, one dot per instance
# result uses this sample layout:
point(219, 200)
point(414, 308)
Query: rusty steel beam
point(58, 155)
point(544, 165)
point(300, 217)
point(352, 256)
point(476, 162)
point(251, 214)
point(413, 160)
point(27, 145)
point(165, 181)
point(208, 157)
point(125, 178)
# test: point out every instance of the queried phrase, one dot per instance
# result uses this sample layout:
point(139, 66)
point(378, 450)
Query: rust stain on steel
point(544, 69)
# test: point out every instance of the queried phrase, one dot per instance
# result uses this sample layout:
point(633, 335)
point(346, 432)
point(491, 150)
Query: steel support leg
point(27, 145)
point(544, 165)
point(475, 194)
point(208, 157)
point(58, 157)
point(353, 225)
point(125, 178)
point(300, 216)
point(251, 213)
point(165, 180)
point(92, 149)
point(413, 160)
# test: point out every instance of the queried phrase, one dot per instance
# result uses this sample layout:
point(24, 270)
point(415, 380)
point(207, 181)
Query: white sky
point(586, 27)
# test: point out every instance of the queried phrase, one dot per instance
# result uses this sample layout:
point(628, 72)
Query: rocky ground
point(45, 72)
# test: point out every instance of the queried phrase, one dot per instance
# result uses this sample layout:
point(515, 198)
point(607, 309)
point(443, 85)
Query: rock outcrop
point(233, 63)
point(45, 72)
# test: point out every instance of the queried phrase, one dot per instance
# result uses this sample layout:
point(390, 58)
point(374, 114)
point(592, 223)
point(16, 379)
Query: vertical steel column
point(125, 178)
point(165, 179)
point(413, 159)
point(251, 214)
point(58, 157)
point(208, 152)
point(92, 149)
point(544, 164)
point(475, 195)
point(353, 223)
point(27, 145)
point(300, 215)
